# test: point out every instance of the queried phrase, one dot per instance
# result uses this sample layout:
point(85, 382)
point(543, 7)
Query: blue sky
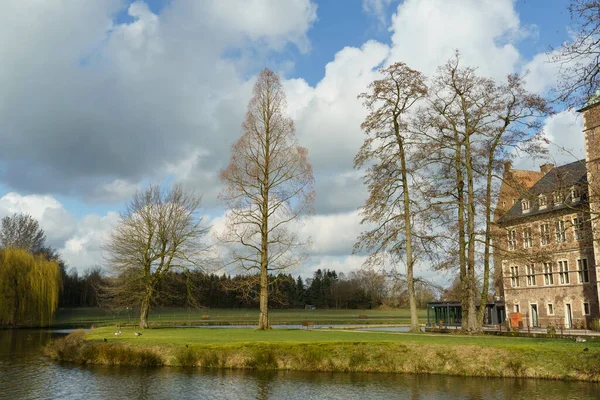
point(164, 87)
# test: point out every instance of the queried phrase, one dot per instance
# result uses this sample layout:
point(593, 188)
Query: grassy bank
point(331, 350)
point(85, 317)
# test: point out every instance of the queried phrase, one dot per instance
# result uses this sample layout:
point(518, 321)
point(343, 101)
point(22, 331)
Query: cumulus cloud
point(564, 131)
point(377, 8)
point(426, 33)
point(83, 249)
point(93, 108)
point(94, 102)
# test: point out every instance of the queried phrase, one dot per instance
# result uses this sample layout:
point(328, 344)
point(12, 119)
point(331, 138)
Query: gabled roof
point(559, 178)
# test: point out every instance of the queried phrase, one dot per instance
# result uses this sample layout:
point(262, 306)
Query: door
point(568, 316)
point(534, 315)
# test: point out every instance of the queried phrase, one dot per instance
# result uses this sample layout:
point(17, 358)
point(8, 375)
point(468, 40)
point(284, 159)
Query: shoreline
point(504, 358)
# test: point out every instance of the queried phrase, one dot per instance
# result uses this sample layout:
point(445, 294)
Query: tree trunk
point(145, 309)
point(461, 233)
point(488, 233)
point(472, 318)
point(263, 321)
point(414, 318)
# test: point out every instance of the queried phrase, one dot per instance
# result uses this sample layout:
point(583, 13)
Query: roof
point(559, 178)
point(516, 182)
point(592, 101)
point(526, 178)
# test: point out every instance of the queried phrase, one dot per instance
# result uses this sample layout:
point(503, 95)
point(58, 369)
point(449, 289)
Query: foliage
point(29, 288)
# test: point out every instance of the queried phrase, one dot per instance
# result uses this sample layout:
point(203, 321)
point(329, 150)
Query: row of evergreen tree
point(326, 289)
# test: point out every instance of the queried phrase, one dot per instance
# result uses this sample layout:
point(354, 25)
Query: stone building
point(547, 238)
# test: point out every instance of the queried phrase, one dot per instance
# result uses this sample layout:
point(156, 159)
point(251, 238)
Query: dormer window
point(525, 205)
point(558, 198)
point(542, 201)
point(514, 201)
point(575, 194)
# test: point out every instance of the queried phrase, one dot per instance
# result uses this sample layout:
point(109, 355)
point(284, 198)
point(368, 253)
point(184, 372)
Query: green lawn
point(334, 350)
point(84, 317)
point(197, 336)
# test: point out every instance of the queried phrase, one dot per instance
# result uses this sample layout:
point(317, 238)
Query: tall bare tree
point(268, 184)
point(471, 124)
point(579, 58)
point(390, 206)
point(22, 231)
point(159, 231)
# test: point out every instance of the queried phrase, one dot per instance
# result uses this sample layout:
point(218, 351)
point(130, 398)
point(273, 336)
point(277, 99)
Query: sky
point(99, 99)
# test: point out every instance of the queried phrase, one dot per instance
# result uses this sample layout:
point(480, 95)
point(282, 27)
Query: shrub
point(595, 324)
point(187, 357)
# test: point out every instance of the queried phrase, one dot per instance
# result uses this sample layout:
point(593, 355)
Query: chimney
point(507, 167)
point(545, 168)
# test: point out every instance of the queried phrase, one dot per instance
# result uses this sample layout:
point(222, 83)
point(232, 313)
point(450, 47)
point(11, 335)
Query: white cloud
point(339, 264)
point(377, 8)
point(426, 33)
point(100, 107)
point(83, 249)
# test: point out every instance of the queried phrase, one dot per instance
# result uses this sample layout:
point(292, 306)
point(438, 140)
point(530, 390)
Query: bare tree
point(471, 124)
point(22, 231)
point(579, 59)
point(159, 231)
point(268, 184)
point(390, 206)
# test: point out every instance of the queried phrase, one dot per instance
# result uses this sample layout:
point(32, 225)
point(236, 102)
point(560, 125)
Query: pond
point(26, 374)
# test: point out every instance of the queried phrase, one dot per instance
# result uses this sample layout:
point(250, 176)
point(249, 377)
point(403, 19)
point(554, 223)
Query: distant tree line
point(362, 289)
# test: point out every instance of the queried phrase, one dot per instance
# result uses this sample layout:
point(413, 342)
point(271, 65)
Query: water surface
point(26, 374)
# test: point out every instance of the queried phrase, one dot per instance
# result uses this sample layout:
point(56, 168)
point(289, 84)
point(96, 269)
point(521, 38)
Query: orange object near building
point(516, 320)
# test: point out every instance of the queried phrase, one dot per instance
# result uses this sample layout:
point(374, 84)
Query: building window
point(550, 309)
point(517, 308)
point(586, 308)
point(578, 228)
point(584, 273)
point(530, 272)
point(504, 205)
point(561, 232)
point(563, 272)
point(575, 194)
point(542, 201)
point(548, 275)
point(525, 205)
point(514, 276)
point(512, 239)
point(514, 201)
point(558, 198)
point(527, 238)
point(544, 234)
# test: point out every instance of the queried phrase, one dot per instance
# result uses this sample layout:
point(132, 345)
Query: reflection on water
point(25, 374)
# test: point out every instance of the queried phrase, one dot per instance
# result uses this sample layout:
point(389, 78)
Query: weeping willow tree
point(29, 287)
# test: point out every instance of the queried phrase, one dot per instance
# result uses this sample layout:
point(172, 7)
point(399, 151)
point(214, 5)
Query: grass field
point(85, 317)
point(335, 350)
